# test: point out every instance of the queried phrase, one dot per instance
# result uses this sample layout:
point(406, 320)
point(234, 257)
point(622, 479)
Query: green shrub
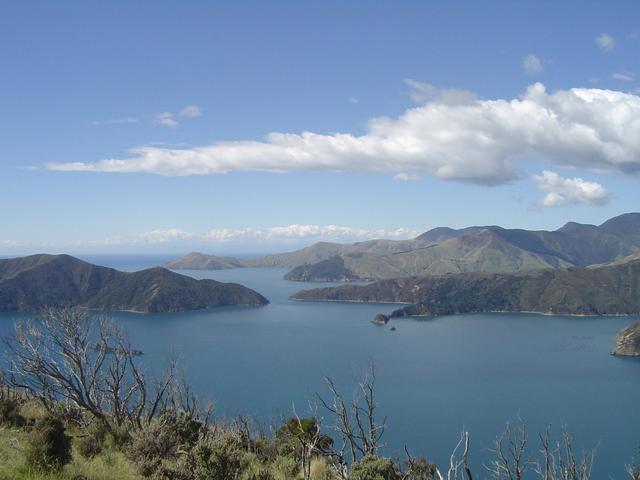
point(373, 468)
point(162, 440)
point(10, 413)
point(295, 432)
point(422, 470)
point(284, 468)
point(149, 446)
point(90, 446)
point(118, 437)
point(49, 445)
point(217, 458)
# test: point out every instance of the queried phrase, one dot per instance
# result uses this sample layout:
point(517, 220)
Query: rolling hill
point(38, 281)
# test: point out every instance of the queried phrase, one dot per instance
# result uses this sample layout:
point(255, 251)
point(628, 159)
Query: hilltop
point(38, 281)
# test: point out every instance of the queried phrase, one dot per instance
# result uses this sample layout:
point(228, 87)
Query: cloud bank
point(450, 137)
point(562, 191)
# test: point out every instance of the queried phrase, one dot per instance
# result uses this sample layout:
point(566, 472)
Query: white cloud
point(605, 42)
point(623, 76)
point(421, 92)
point(562, 191)
point(166, 119)
point(353, 100)
point(478, 141)
point(406, 177)
point(532, 64)
point(116, 121)
point(288, 234)
point(191, 111)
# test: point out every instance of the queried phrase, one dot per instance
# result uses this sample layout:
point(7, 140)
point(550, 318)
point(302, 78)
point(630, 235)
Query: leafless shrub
point(355, 423)
point(85, 362)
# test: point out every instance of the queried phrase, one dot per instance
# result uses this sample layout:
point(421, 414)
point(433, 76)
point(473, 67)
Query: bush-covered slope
point(609, 289)
point(38, 281)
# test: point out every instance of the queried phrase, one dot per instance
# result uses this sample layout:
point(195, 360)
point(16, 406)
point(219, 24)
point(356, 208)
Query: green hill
point(38, 281)
point(605, 290)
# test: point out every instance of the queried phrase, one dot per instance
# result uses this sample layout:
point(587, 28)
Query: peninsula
point(610, 289)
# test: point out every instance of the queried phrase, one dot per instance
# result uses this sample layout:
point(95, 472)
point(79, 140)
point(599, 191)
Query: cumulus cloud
point(532, 64)
point(288, 234)
point(562, 191)
point(166, 119)
point(476, 141)
point(605, 42)
point(623, 76)
point(191, 111)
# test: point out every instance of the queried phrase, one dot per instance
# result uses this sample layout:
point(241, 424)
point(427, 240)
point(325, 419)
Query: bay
point(435, 377)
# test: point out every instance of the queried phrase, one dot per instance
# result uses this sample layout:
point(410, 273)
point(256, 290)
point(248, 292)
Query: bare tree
point(308, 434)
point(510, 448)
point(356, 423)
point(86, 362)
point(458, 461)
point(559, 461)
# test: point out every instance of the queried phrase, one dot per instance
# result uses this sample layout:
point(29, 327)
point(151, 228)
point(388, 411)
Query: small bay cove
point(435, 376)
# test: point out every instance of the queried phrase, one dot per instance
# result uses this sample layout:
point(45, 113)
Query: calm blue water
point(434, 376)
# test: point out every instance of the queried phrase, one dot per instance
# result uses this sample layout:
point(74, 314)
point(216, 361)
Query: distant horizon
point(253, 248)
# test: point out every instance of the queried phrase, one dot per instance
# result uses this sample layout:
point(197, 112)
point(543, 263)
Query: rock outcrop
point(628, 341)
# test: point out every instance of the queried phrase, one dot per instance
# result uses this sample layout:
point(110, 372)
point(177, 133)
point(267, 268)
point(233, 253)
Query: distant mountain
point(476, 251)
point(604, 290)
point(326, 250)
point(37, 281)
point(488, 249)
point(201, 261)
point(314, 253)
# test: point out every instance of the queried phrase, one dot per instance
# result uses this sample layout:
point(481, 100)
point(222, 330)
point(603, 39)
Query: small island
point(380, 319)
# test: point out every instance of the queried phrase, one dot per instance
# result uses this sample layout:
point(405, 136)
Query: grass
point(108, 465)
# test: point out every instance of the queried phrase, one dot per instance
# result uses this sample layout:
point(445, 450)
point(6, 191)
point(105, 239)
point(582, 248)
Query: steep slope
point(202, 261)
point(38, 281)
point(610, 289)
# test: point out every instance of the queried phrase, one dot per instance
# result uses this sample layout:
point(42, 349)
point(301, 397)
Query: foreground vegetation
point(75, 404)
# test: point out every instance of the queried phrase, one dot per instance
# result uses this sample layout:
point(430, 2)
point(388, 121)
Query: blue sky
point(85, 82)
